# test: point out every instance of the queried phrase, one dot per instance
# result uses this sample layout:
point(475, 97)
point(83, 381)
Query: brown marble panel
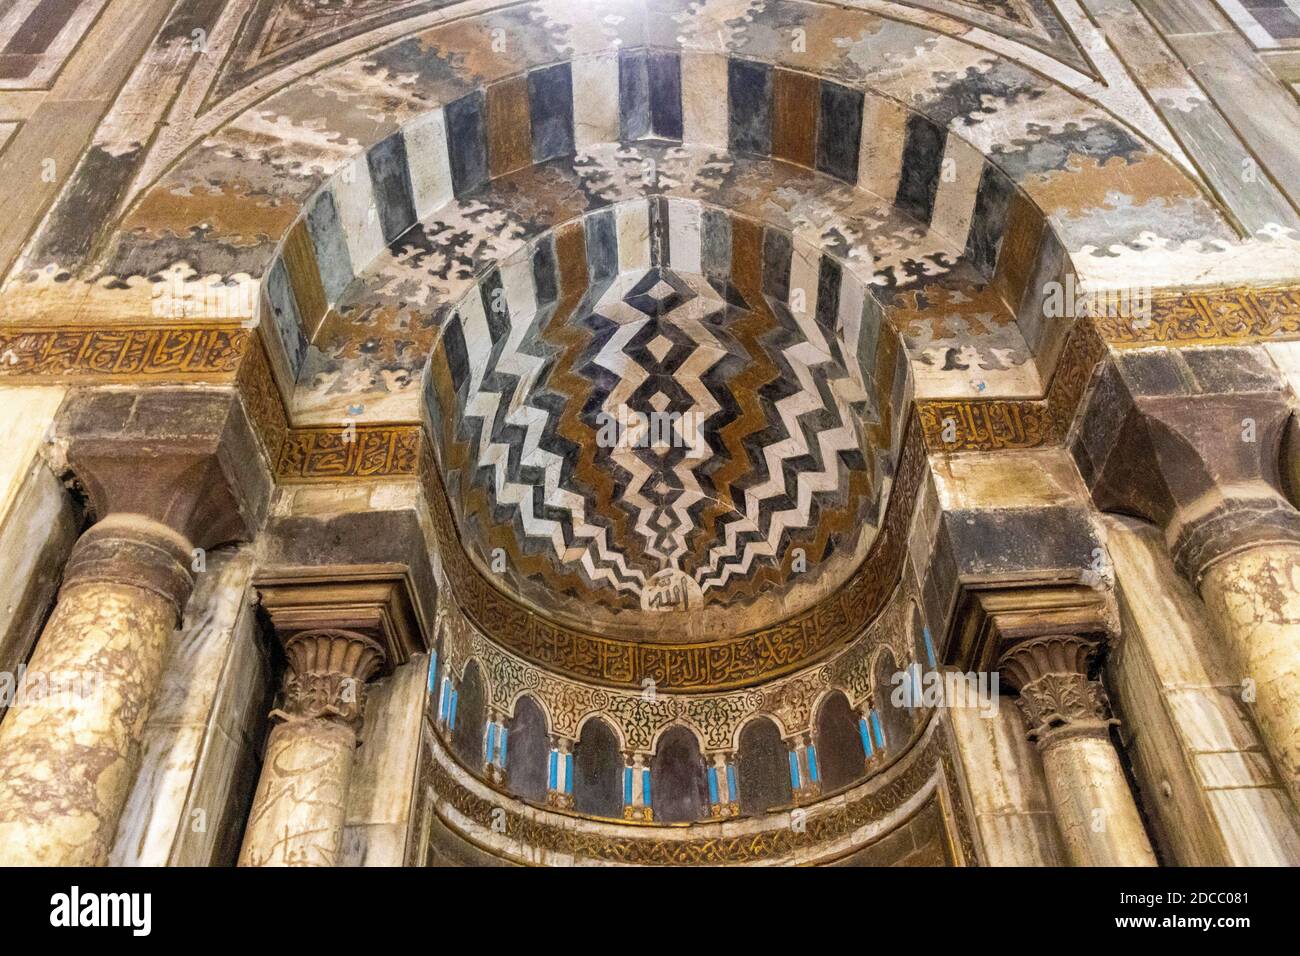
point(509, 126)
point(1019, 250)
point(794, 119)
point(304, 277)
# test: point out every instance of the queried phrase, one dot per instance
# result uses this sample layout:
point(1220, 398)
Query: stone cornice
point(376, 602)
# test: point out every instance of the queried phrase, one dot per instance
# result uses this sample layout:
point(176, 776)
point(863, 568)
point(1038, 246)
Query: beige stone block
point(1008, 479)
point(1257, 826)
point(1229, 770)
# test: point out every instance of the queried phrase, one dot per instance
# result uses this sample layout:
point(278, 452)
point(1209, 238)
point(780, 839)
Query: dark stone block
point(1005, 541)
point(453, 341)
point(550, 103)
point(839, 133)
point(665, 75)
point(989, 221)
point(546, 279)
point(332, 256)
point(749, 107)
point(284, 312)
point(715, 244)
point(602, 246)
point(777, 250)
point(1220, 370)
point(922, 162)
point(391, 176)
point(1155, 373)
point(467, 143)
point(633, 95)
point(829, 276)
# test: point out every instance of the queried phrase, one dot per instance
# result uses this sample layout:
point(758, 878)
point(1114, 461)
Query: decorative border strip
point(125, 354)
point(1219, 316)
point(361, 451)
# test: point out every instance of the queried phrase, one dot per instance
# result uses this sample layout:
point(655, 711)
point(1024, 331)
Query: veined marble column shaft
point(298, 809)
point(1253, 597)
point(69, 746)
point(1065, 712)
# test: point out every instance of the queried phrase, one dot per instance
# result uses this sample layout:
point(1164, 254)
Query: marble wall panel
point(551, 107)
point(430, 161)
point(704, 108)
point(509, 126)
point(749, 99)
point(596, 110)
point(333, 257)
point(390, 175)
point(795, 105)
point(839, 131)
point(467, 140)
point(198, 767)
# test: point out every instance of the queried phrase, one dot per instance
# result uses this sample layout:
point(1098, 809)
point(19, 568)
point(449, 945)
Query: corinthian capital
point(327, 675)
point(1056, 696)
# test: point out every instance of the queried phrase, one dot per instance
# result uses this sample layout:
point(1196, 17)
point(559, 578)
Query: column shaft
point(69, 747)
point(1254, 600)
point(301, 799)
point(1095, 813)
point(298, 810)
point(1066, 716)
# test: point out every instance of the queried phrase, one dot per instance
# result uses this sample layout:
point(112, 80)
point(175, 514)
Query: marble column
point(68, 746)
point(1201, 437)
point(805, 777)
point(1066, 716)
point(636, 788)
point(301, 798)
point(165, 472)
point(495, 744)
point(724, 801)
point(559, 774)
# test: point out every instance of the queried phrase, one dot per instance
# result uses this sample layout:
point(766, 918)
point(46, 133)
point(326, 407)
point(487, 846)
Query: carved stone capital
point(340, 627)
point(1056, 695)
point(183, 458)
point(327, 674)
point(1191, 441)
point(992, 619)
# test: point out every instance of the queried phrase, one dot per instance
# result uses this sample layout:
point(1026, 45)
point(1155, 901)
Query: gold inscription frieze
point(123, 354)
point(1209, 317)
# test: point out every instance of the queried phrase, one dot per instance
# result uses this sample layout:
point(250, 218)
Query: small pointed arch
point(679, 789)
point(891, 722)
point(841, 758)
point(528, 749)
point(470, 715)
point(762, 767)
point(597, 770)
